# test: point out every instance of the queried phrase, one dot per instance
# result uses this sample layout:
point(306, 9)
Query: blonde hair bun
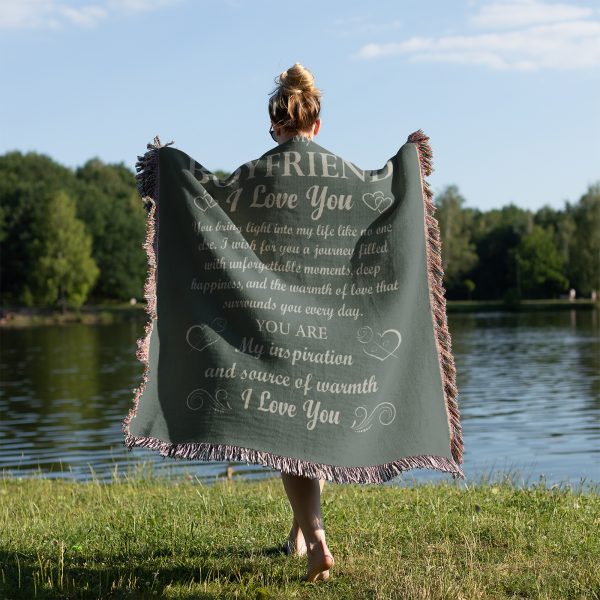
point(295, 103)
point(298, 80)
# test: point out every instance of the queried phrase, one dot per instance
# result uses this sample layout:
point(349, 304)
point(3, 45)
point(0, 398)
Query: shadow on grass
point(132, 575)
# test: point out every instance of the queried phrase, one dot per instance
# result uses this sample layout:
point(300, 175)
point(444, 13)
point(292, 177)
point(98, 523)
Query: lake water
point(529, 396)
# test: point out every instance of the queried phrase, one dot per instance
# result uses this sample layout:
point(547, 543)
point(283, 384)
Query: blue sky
point(507, 90)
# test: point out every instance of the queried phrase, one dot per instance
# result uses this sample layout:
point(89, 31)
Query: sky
point(507, 90)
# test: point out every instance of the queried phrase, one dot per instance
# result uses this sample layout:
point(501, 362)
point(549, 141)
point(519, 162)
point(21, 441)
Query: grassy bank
point(110, 313)
point(17, 316)
point(146, 537)
point(523, 305)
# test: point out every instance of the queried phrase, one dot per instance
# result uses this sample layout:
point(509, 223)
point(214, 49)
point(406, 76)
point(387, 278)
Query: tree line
point(513, 253)
point(74, 236)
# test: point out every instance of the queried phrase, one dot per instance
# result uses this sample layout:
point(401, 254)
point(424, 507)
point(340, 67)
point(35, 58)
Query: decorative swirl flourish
point(218, 402)
point(385, 408)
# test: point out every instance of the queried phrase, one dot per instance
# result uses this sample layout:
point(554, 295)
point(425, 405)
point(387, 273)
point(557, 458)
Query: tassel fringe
point(148, 186)
point(206, 451)
point(437, 297)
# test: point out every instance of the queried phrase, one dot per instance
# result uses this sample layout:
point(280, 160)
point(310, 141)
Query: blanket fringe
point(148, 186)
point(206, 451)
point(437, 297)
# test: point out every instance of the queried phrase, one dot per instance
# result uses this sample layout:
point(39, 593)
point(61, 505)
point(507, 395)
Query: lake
point(529, 396)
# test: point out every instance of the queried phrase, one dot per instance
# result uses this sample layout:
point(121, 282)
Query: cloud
point(520, 13)
point(47, 14)
point(138, 5)
point(56, 14)
point(551, 36)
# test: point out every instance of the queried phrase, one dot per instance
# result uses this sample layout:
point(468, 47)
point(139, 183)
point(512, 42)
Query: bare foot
point(320, 560)
point(295, 542)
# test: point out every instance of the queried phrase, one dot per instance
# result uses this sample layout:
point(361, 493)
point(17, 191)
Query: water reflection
point(529, 397)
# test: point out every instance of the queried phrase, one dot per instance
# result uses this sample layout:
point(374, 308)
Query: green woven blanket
point(297, 317)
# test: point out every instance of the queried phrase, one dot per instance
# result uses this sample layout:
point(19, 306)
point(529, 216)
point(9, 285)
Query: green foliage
point(509, 253)
point(222, 174)
point(110, 206)
point(64, 269)
point(584, 247)
point(540, 266)
point(26, 182)
point(519, 254)
point(469, 286)
point(106, 201)
point(458, 250)
point(496, 233)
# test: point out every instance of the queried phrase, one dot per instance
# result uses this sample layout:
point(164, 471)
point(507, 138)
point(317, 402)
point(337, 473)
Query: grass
point(105, 313)
point(523, 305)
point(147, 536)
point(91, 314)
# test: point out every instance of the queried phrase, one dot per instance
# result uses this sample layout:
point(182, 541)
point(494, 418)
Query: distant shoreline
point(24, 316)
point(21, 316)
point(524, 305)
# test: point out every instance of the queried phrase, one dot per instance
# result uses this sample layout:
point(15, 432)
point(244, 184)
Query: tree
point(25, 180)
point(109, 204)
point(64, 270)
point(540, 264)
point(496, 233)
point(562, 226)
point(501, 253)
point(584, 250)
point(458, 251)
point(469, 286)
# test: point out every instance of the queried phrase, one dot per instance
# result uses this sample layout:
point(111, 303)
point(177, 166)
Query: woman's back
point(298, 318)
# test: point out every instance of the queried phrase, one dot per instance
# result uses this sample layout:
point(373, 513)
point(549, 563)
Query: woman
point(418, 384)
point(294, 109)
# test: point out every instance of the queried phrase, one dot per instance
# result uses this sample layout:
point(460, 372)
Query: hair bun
point(297, 80)
point(295, 103)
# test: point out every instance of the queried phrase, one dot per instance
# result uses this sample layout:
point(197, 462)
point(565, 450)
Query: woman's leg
point(295, 536)
point(305, 497)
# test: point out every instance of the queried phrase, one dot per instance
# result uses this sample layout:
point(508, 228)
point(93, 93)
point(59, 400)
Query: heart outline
point(218, 325)
point(377, 201)
point(389, 353)
point(207, 198)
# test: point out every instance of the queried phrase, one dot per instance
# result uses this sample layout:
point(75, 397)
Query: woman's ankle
point(316, 541)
